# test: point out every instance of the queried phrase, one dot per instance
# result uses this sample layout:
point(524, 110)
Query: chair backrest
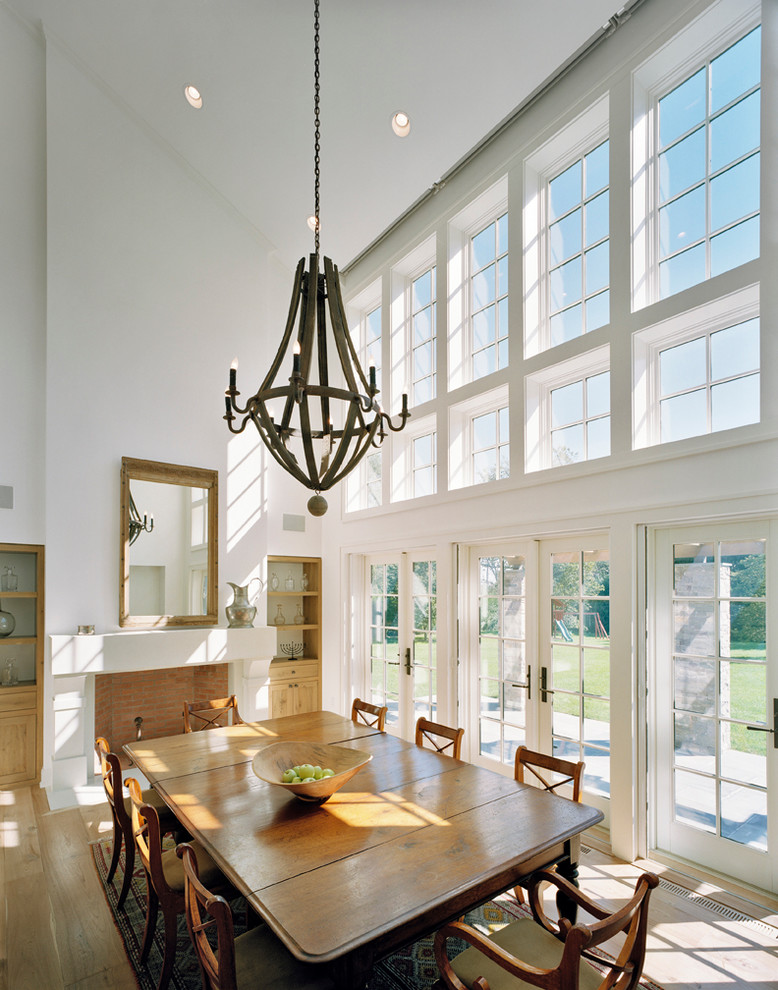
point(147, 835)
point(632, 919)
point(111, 770)
point(211, 714)
point(434, 732)
point(567, 771)
point(372, 715)
point(205, 910)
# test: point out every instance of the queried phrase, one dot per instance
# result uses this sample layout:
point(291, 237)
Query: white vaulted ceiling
point(457, 67)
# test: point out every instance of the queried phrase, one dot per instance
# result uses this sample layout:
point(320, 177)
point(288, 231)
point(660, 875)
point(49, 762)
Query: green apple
point(288, 776)
point(305, 770)
point(328, 773)
point(309, 780)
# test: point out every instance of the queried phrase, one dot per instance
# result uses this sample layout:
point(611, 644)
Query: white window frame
point(461, 417)
point(647, 345)
point(704, 38)
point(402, 457)
point(537, 392)
point(571, 143)
point(418, 261)
point(487, 207)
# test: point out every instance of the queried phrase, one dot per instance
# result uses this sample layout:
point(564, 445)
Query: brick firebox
point(157, 696)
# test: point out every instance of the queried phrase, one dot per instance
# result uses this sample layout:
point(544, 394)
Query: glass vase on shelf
point(304, 582)
point(9, 580)
point(10, 676)
point(274, 581)
point(299, 619)
point(289, 583)
point(279, 618)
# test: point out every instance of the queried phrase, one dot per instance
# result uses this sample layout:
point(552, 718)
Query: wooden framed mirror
point(169, 545)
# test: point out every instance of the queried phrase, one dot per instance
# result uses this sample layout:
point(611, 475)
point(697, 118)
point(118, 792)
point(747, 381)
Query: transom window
point(489, 297)
point(578, 247)
point(490, 446)
point(580, 420)
point(364, 486)
point(423, 370)
point(708, 175)
point(710, 383)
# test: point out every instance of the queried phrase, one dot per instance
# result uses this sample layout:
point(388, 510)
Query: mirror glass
point(168, 545)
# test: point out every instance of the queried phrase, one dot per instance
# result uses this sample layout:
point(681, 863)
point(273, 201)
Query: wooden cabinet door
point(17, 747)
point(306, 696)
point(281, 699)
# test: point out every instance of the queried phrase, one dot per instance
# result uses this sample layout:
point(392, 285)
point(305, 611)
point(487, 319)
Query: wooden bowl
point(271, 761)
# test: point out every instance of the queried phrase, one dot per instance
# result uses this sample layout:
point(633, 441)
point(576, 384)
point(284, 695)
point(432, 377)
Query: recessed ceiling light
point(193, 96)
point(401, 124)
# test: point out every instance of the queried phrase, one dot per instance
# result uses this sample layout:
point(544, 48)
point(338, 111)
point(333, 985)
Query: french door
point(538, 655)
point(715, 713)
point(402, 595)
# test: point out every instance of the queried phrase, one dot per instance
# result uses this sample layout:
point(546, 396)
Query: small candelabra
point(292, 650)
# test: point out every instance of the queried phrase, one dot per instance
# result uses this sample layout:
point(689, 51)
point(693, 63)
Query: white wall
point(22, 279)
point(128, 285)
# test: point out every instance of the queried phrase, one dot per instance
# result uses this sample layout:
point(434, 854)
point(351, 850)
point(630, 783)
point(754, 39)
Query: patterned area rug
point(412, 968)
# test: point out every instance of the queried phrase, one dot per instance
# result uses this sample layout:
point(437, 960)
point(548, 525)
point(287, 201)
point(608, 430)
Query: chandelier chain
point(317, 121)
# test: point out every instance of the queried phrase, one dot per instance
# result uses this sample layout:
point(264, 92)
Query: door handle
point(544, 689)
point(527, 684)
point(408, 660)
point(774, 730)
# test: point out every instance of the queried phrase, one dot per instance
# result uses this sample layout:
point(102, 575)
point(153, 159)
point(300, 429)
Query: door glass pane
point(424, 618)
point(744, 815)
point(695, 800)
point(580, 660)
point(502, 655)
point(720, 688)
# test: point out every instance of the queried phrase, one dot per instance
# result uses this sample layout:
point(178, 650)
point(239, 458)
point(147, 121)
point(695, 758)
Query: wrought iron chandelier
point(324, 430)
point(138, 525)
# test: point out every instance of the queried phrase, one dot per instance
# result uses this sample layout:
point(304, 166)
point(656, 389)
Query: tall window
point(423, 464)
point(490, 446)
point(364, 485)
point(708, 177)
point(423, 370)
point(578, 251)
point(370, 342)
point(489, 297)
point(710, 383)
point(580, 420)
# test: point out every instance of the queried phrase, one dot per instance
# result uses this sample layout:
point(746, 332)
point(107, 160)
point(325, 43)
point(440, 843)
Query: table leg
point(569, 870)
point(352, 972)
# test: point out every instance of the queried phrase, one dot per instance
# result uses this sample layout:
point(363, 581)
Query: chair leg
point(117, 848)
point(171, 943)
point(152, 908)
point(129, 867)
point(519, 892)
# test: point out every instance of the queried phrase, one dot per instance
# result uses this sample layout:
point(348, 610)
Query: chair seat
point(526, 940)
point(262, 961)
point(173, 868)
point(167, 820)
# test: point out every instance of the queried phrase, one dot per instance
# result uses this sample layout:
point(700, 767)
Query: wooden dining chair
point(549, 772)
point(121, 814)
point(372, 715)
point(165, 879)
point(255, 959)
point(211, 714)
point(539, 952)
point(435, 733)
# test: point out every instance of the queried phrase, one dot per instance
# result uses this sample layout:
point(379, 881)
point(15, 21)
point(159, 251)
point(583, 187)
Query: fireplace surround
point(76, 662)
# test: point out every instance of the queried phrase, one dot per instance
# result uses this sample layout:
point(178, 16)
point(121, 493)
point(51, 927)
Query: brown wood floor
point(56, 930)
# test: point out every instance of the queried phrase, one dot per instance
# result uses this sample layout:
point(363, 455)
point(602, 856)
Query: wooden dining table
point(413, 840)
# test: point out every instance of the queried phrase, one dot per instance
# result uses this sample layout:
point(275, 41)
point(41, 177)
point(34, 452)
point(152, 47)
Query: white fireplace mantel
point(122, 652)
point(77, 660)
